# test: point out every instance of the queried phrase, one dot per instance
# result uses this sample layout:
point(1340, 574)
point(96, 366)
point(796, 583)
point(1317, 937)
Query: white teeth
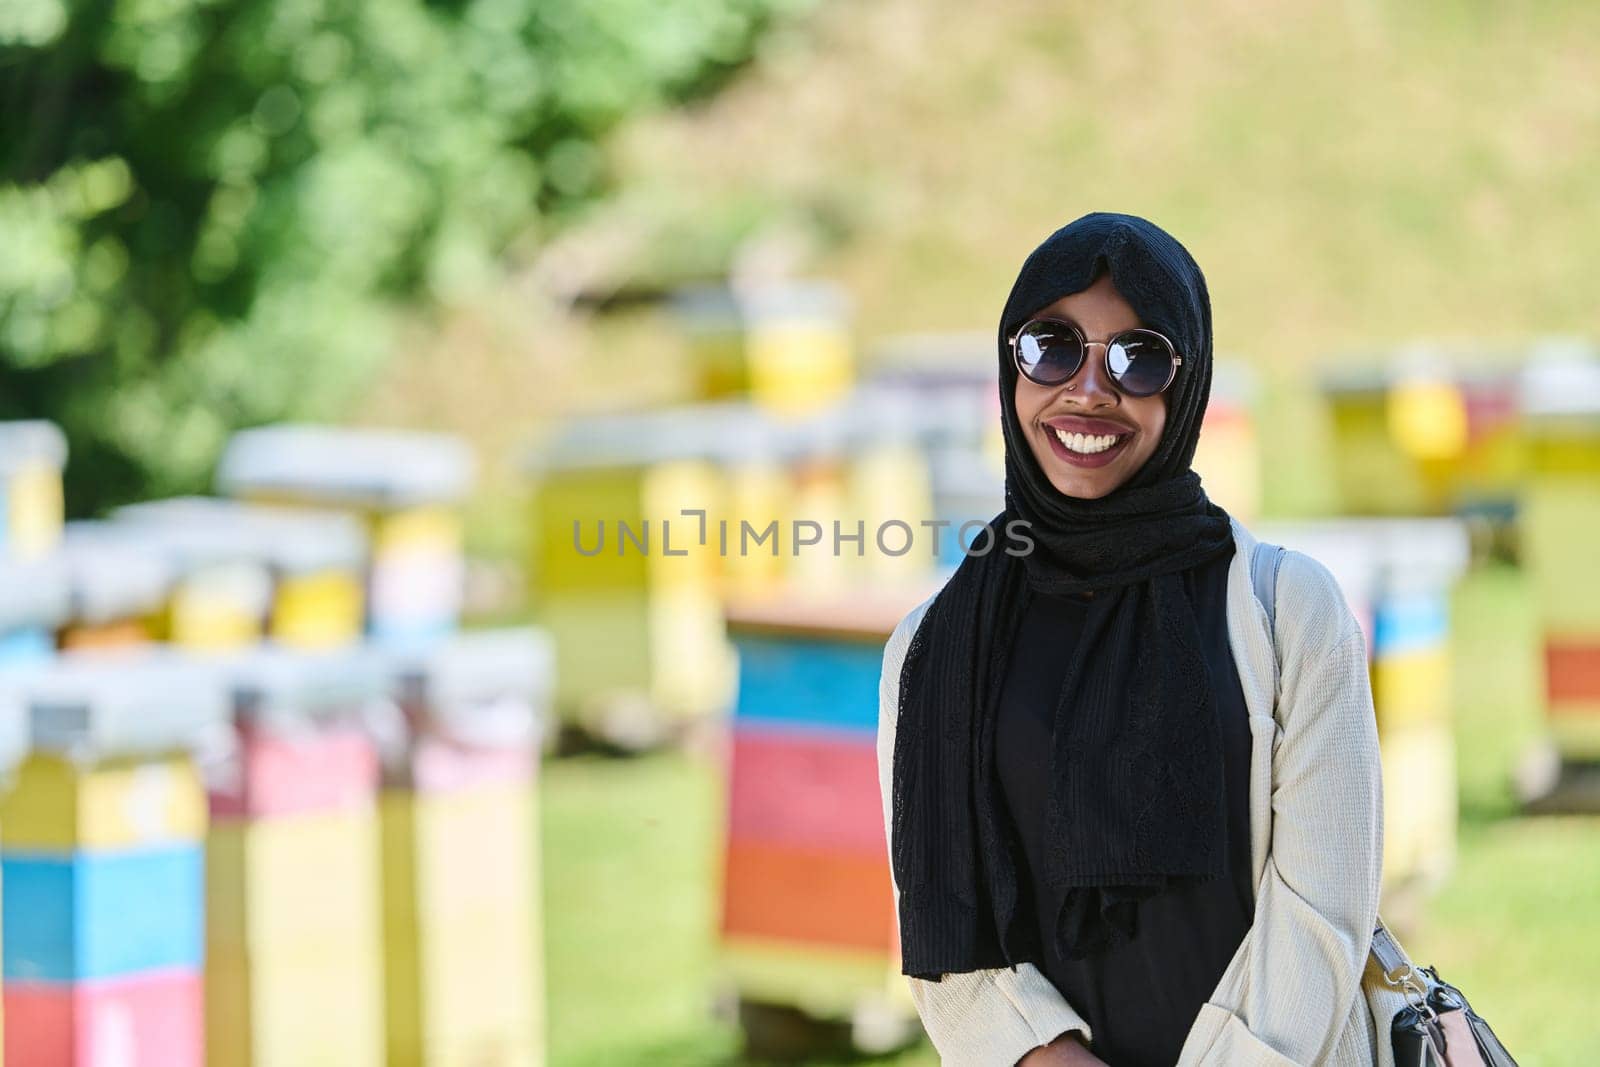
point(1086, 444)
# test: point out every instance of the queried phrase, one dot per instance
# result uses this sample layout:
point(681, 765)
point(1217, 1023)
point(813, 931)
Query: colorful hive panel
point(807, 899)
point(805, 789)
point(294, 956)
point(786, 346)
point(415, 586)
point(1572, 670)
point(148, 1020)
point(634, 614)
point(31, 510)
point(1572, 689)
point(809, 683)
point(1412, 687)
point(286, 773)
point(300, 1006)
point(58, 805)
point(292, 880)
point(1562, 514)
point(812, 896)
point(1419, 795)
point(101, 914)
point(1411, 622)
point(1228, 457)
point(322, 609)
point(461, 962)
point(294, 960)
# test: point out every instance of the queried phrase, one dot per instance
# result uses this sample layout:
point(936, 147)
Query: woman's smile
point(1086, 442)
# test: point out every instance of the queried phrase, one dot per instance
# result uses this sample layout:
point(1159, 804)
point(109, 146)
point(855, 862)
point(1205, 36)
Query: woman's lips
point(1089, 428)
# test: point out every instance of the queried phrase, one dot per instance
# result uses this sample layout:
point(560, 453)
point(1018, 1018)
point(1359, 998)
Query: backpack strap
point(1264, 563)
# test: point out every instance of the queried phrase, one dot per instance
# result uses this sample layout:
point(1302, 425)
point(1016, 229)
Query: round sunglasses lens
point(1142, 363)
point(1048, 353)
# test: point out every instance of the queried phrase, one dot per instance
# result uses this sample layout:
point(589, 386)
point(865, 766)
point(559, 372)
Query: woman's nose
point(1092, 386)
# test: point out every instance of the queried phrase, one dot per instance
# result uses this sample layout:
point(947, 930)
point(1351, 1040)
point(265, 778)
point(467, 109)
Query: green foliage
point(210, 208)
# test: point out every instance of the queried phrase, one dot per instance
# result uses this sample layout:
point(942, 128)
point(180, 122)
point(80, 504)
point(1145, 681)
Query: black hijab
point(1136, 803)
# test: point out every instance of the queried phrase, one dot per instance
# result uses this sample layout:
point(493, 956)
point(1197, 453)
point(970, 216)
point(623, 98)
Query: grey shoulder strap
point(1264, 563)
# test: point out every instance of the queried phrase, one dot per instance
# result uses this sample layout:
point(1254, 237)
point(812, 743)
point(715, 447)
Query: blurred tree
point(210, 208)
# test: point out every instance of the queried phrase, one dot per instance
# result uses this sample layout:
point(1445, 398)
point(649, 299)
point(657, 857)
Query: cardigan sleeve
point(982, 1018)
point(1293, 985)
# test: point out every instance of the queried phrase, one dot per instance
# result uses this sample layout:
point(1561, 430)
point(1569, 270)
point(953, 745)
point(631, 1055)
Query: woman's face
point(1090, 404)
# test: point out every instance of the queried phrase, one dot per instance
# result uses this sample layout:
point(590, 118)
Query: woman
point(1119, 833)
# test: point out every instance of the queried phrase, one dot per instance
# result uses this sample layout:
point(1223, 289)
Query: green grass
point(631, 865)
point(630, 853)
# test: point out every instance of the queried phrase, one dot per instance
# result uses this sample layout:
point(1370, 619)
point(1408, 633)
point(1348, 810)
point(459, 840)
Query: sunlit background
point(333, 334)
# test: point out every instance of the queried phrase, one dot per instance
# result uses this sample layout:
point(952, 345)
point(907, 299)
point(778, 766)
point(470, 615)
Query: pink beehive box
point(811, 790)
point(300, 741)
point(473, 708)
point(146, 1020)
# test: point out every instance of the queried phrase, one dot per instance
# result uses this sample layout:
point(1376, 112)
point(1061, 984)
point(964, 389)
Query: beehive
point(1560, 400)
point(101, 841)
point(625, 561)
point(786, 346)
point(807, 917)
point(293, 953)
point(1398, 576)
point(249, 572)
point(1228, 455)
point(32, 454)
point(118, 584)
point(406, 490)
point(463, 976)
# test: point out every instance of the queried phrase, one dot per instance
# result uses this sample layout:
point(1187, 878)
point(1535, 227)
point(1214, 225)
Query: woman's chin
point(1076, 485)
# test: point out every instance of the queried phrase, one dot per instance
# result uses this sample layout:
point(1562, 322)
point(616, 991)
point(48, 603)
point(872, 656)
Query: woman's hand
point(1068, 1050)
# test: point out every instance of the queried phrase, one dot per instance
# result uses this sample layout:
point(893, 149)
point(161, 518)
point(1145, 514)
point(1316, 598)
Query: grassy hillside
point(1347, 174)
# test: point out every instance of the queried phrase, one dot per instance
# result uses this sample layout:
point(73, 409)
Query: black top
point(1139, 998)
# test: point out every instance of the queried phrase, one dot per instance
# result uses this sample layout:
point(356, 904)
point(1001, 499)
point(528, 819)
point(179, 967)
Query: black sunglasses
point(1049, 351)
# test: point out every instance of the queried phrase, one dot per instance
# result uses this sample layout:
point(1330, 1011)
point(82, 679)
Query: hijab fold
point(1136, 803)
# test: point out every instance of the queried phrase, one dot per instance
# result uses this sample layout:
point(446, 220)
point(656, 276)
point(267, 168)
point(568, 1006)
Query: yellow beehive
point(1412, 687)
point(1494, 462)
point(299, 1006)
point(1561, 513)
point(247, 572)
point(1395, 441)
point(461, 877)
point(463, 965)
point(1560, 400)
point(118, 582)
point(624, 565)
point(819, 474)
point(403, 490)
point(293, 950)
point(889, 487)
point(32, 454)
point(1419, 802)
point(1228, 455)
point(786, 345)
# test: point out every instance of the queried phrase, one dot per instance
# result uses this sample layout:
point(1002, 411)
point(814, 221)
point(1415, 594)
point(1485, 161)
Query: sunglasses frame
point(1172, 374)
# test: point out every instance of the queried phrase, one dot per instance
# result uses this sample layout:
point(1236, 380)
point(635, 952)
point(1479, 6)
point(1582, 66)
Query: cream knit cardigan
point(1291, 994)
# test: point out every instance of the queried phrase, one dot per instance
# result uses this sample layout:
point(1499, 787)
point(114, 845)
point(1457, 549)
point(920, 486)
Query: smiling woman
point(1109, 842)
